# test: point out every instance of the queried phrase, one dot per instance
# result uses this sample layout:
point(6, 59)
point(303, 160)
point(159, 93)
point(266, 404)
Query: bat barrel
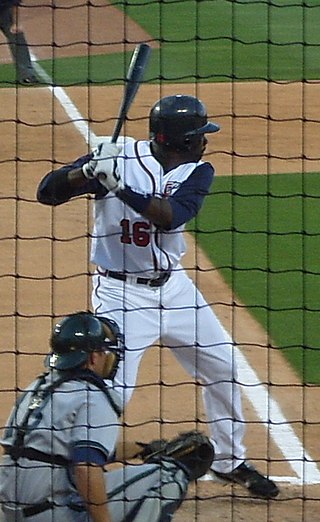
point(134, 77)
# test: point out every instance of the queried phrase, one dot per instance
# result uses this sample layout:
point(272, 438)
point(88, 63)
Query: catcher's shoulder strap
point(87, 375)
point(39, 394)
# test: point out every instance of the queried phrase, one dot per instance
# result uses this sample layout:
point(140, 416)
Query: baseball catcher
point(60, 439)
point(192, 450)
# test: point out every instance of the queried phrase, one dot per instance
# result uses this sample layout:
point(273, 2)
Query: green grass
point(99, 69)
point(209, 40)
point(263, 232)
point(219, 39)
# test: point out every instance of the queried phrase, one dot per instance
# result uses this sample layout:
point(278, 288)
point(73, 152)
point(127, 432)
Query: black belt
point(32, 454)
point(35, 509)
point(29, 511)
point(155, 282)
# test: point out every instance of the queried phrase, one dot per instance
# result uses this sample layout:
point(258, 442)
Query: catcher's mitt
point(192, 449)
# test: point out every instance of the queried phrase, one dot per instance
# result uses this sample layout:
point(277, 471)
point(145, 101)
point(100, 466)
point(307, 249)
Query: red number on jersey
point(140, 235)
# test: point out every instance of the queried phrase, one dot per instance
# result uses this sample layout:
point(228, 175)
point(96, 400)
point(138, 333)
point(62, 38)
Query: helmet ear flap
point(160, 138)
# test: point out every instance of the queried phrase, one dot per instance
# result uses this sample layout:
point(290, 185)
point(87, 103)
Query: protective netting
point(254, 249)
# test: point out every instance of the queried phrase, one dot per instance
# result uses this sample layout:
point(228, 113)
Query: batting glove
point(106, 168)
point(111, 181)
point(88, 168)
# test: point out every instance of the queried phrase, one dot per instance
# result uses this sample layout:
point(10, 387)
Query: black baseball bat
point(137, 67)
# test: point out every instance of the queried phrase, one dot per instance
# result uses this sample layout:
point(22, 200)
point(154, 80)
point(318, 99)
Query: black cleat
point(248, 477)
point(29, 80)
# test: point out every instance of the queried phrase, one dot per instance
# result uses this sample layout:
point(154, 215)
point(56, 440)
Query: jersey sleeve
point(54, 188)
point(4, 4)
point(86, 451)
point(187, 200)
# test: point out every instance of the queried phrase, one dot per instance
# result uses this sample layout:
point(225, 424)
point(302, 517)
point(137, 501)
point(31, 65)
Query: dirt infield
point(265, 128)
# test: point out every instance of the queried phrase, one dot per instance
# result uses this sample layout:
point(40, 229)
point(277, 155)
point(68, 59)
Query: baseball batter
point(145, 192)
point(63, 431)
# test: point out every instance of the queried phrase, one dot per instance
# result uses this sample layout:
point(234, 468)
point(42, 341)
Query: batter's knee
point(16, 34)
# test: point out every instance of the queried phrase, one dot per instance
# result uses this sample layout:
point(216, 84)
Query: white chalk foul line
point(71, 110)
point(270, 414)
point(266, 408)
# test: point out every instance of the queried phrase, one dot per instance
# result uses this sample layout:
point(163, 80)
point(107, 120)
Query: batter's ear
point(95, 357)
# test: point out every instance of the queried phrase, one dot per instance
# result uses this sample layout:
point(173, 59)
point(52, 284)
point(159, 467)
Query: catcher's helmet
point(79, 334)
point(175, 119)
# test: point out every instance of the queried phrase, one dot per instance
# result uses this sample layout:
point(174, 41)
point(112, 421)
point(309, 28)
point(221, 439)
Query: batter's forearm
point(156, 210)
point(58, 187)
point(54, 189)
point(159, 212)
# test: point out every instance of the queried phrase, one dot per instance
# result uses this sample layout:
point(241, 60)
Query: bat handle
point(116, 131)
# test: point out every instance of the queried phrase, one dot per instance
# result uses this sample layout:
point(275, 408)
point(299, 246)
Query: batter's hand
point(106, 169)
point(88, 168)
point(110, 180)
point(103, 161)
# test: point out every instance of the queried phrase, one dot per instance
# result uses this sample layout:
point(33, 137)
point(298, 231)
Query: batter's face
point(197, 148)
point(171, 158)
point(200, 148)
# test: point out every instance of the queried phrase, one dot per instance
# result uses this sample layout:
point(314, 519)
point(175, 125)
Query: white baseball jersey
point(122, 240)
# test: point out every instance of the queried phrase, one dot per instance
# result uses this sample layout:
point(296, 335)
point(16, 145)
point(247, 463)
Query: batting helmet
point(175, 119)
point(79, 334)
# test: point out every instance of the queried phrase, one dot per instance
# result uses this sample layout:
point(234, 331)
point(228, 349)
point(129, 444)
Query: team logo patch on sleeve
point(170, 187)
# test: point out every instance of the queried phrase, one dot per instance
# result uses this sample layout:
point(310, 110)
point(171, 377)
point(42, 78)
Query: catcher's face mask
point(113, 348)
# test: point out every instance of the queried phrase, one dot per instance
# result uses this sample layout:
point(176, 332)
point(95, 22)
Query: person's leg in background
point(18, 45)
